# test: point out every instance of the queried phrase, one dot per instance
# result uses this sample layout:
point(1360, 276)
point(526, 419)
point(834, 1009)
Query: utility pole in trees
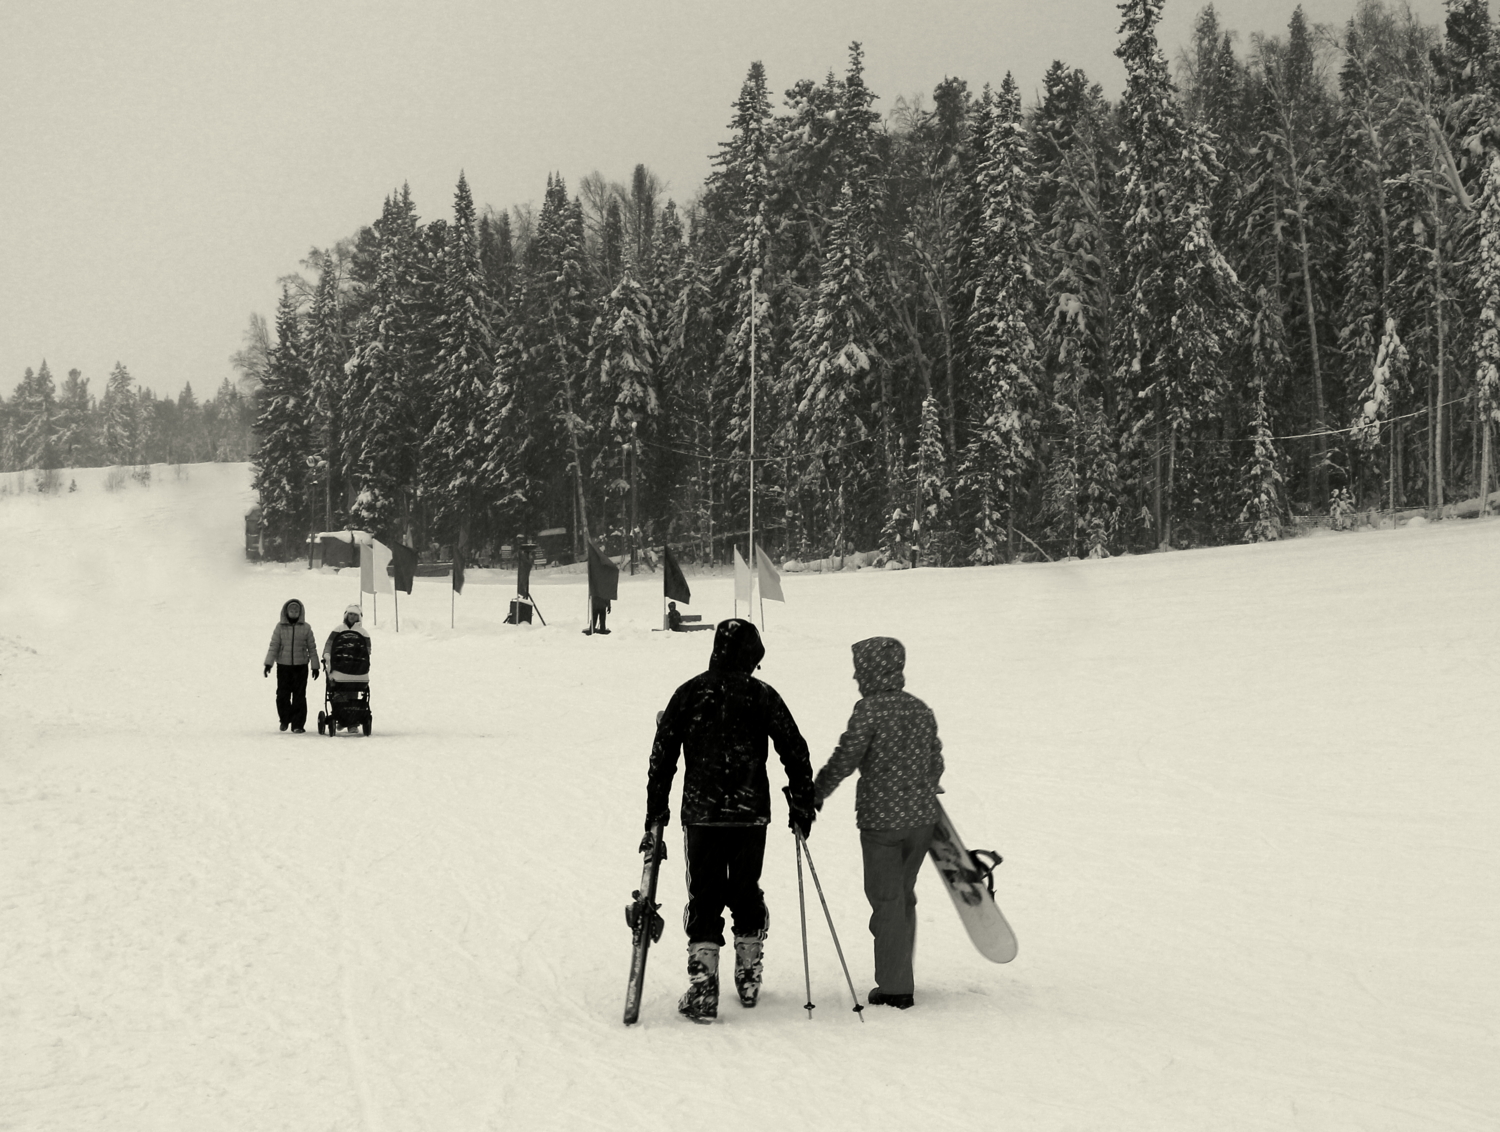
point(635, 461)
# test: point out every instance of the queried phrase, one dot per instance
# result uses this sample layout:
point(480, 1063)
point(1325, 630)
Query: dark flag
point(404, 561)
point(458, 570)
point(604, 576)
point(673, 584)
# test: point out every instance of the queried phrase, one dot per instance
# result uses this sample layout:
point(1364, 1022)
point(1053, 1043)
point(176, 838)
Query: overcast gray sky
point(166, 160)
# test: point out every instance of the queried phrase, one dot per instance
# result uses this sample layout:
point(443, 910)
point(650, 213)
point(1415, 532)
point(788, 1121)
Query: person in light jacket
point(293, 649)
point(892, 741)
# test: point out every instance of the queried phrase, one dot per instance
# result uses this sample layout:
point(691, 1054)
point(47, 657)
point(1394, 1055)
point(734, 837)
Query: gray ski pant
point(893, 857)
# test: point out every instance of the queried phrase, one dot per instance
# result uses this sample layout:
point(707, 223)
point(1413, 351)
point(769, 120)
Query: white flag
point(741, 578)
point(374, 557)
point(770, 580)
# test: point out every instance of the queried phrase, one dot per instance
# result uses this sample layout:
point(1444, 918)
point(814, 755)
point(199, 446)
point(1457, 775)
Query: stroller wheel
point(320, 723)
point(369, 722)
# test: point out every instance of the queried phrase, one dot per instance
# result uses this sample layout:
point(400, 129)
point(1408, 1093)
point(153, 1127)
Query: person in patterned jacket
point(892, 741)
point(721, 722)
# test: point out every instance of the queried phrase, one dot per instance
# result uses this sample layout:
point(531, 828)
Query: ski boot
point(747, 969)
point(701, 1002)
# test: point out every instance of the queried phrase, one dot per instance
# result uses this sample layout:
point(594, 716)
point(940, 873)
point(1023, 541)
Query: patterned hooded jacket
point(721, 722)
point(292, 642)
point(891, 740)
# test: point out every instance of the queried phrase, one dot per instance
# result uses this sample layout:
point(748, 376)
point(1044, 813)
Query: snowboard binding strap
point(986, 868)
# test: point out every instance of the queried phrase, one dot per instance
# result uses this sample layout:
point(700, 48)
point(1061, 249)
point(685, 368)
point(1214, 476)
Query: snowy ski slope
point(1246, 797)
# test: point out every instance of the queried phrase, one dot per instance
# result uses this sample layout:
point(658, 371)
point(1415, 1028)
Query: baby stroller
point(346, 693)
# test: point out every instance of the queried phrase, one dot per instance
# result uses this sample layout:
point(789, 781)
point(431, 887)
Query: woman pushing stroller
point(346, 655)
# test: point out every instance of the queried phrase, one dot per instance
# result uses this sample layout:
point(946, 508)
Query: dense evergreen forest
point(46, 426)
point(1259, 292)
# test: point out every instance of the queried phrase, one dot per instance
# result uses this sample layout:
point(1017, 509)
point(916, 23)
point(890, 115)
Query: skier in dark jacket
point(293, 648)
point(721, 722)
point(892, 741)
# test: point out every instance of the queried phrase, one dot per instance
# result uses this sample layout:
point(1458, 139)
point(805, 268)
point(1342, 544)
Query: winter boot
point(747, 969)
point(701, 1002)
point(878, 997)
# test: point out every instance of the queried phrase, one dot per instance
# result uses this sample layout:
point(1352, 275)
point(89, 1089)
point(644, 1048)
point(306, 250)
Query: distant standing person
point(892, 741)
point(721, 722)
point(524, 562)
point(599, 607)
point(293, 649)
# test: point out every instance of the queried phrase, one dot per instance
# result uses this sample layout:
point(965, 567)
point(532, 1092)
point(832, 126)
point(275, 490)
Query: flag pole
point(754, 271)
point(396, 597)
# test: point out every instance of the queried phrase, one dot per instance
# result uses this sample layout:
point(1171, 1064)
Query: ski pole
point(802, 910)
point(802, 841)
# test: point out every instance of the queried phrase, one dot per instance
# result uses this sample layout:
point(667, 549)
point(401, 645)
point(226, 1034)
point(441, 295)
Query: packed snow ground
point(1247, 800)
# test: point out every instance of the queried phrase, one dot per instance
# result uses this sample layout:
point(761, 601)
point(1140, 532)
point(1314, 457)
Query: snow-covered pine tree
point(148, 433)
point(326, 356)
point(622, 371)
point(452, 480)
point(381, 387)
point(1294, 128)
point(1367, 158)
point(1075, 180)
point(1181, 301)
point(931, 533)
point(497, 255)
point(741, 185)
point(1005, 396)
point(1260, 517)
point(283, 433)
point(77, 432)
point(118, 413)
point(35, 407)
point(612, 244)
point(691, 343)
point(536, 430)
point(835, 357)
point(1487, 346)
point(187, 426)
point(227, 419)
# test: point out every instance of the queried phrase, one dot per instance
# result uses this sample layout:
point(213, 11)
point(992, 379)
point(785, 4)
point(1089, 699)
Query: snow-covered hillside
point(1246, 797)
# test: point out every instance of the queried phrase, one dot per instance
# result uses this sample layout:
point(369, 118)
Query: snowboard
point(970, 883)
point(645, 921)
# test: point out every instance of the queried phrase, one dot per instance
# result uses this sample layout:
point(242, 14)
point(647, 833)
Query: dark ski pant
point(291, 694)
point(723, 870)
point(597, 618)
point(893, 857)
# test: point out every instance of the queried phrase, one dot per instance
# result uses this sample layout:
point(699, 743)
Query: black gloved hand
point(315, 673)
point(801, 820)
point(648, 841)
point(662, 819)
point(267, 671)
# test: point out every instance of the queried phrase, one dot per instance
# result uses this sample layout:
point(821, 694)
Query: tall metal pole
point(754, 272)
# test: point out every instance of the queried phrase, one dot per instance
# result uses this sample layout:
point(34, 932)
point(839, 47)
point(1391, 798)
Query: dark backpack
point(351, 653)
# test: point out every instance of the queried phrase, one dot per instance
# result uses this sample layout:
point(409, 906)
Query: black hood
point(737, 647)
